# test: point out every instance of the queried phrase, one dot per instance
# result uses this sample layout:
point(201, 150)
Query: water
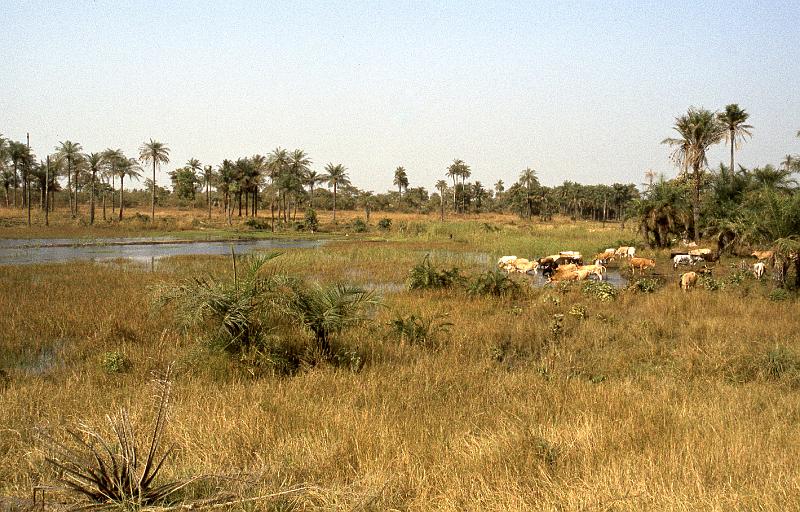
point(614, 277)
point(142, 250)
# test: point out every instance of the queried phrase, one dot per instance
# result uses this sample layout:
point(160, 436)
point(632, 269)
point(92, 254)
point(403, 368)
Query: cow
point(758, 269)
point(596, 269)
point(641, 264)
point(524, 266)
point(605, 256)
point(506, 260)
point(625, 252)
point(688, 280)
point(685, 259)
point(569, 275)
point(763, 255)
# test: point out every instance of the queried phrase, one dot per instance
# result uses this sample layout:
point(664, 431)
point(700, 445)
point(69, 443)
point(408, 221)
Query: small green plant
point(493, 282)
point(578, 311)
point(557, 326)
point(425, 276)
point(418, 329)
point(711, 284)
point(780, 361)
point(385, 224)
point(601, 290)
point(551, 299)
point(310, 222)
point(645, 285)
point(779, 295)
point(114, 362)
point(359, 226)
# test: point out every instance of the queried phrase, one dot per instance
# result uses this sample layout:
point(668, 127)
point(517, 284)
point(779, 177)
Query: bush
point(418, 329)
point(493, 282)
point(359, 226)
point(114, 362)
point(778, 295)
point(709, 283)
point(645, 285)
point(385, 224)
point(425, 276)
point(578, 311)
point(258, 224)
point(311, 222)
point(601, 290)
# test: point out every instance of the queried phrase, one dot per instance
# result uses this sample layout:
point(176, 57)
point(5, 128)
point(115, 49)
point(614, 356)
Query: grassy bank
point(652, 401)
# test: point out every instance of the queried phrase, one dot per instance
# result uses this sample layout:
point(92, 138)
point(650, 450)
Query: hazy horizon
point(576, 91)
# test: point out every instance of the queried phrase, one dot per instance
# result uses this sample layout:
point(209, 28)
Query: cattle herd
point(569, 265)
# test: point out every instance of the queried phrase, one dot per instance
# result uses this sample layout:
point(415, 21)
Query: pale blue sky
point(583, 91)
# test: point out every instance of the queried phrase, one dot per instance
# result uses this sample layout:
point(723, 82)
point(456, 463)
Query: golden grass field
point(653, 401)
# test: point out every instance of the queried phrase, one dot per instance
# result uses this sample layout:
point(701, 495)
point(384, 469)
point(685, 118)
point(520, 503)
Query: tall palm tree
point(70, 151)
point(401, 180)
point(157, 153)
point(499, 187)
point(113, 157)
point(130, 168)
point(337, 175)
point(736, 131)
point(529, 180)
point(773, 178)
point(208, 174)
point(441, 185)
point(299, 165)
point(311, 179)
point(456, 170)
point(95, 162)
point(698, 130)
point(277, 167)
point(18, 153)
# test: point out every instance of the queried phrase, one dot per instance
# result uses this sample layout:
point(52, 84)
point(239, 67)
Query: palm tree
point(458, 169)
point(157, 153)
point(328, 310)
point(95, 163)
point(70, 151)
point(650, 175)
point(698, 130)
point(126, 167)
point(113, 157)
point(772, 178)
point(311, 179)
point(401, 180)
point(299, 165)
point(18, 153)
point(736, 131)
point(529, 180)
point(499, 187)
point(441, 185)
point(208, 174)
point(337, 175)
point(195, 165)
point(277, 166)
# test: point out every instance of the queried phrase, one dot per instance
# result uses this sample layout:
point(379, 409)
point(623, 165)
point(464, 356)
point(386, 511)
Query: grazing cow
point(524, 266)
point(688, 280)
point(570, 275)
point(625, 252)
point(596, 269)
point(604, 257)
point(685, 259)
point(641, 264)
point(758, 269)
point(763, 255)
point(506, 260)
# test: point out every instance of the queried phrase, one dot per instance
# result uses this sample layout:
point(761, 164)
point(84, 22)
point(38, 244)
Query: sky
point(582, 91)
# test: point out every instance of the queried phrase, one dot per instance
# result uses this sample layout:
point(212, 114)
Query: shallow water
point(614, 277)
point(143, 250)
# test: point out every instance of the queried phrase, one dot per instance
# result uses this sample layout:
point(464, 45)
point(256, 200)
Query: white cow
point(685, 259)
point(758, 269)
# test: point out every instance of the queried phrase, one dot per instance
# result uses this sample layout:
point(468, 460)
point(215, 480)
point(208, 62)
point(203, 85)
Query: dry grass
point(661, 401)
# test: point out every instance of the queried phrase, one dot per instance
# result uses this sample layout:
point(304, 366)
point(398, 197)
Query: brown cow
point(641, 264)
point(688, 280)
point(763, 255)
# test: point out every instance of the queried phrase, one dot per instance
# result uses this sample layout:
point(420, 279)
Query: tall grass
point(651, 401)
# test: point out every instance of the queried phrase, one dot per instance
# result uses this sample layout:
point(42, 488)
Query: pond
point(144, 250)
point(613, 276)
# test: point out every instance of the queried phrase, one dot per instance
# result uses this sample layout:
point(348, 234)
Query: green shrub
point(385, 224)
point(578, 311)
point(493, 282)
point(419, 329)
point(780, 361)
point(258, 224)
point(709, 283)
point(645, 285)
point(426, 276)
point(779, 294)
point(359, 226)
point(115, 362)
point(601, 290)
point(311, 222)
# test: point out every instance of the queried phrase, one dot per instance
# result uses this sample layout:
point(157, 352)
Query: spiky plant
point(425, 276)
point(493, 282)
point(419, 329)
point(116, 471)
point(235, 307)
point(327, 310)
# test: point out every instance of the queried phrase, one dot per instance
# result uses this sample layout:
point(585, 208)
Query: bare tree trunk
point(334, 202)
point(696, 203)
point(113, 209)
point(91, 200)
point(153, 201)
point(208, 199)
point(46, 194)
point(121, 196)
